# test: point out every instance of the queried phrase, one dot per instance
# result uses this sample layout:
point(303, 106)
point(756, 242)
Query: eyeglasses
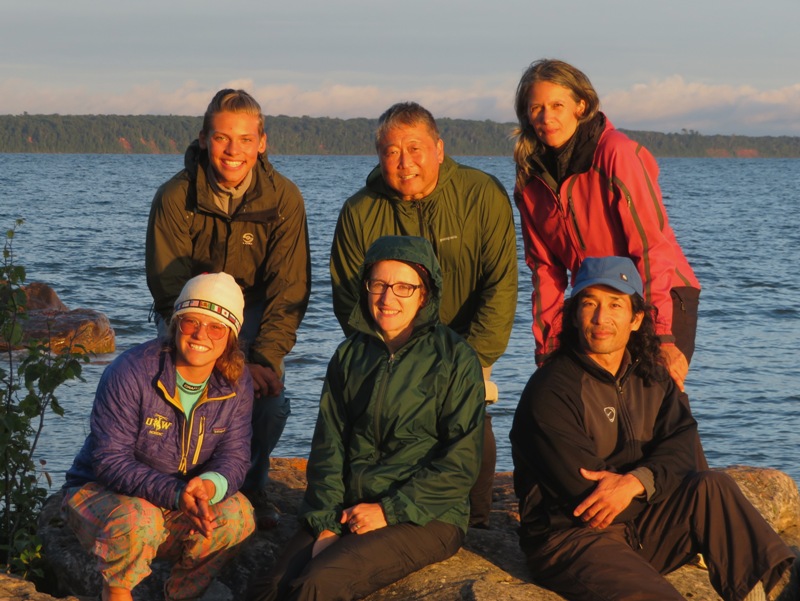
point(190, 326)
point(400, 289)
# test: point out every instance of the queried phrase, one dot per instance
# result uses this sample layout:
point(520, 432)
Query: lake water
point(736, 219)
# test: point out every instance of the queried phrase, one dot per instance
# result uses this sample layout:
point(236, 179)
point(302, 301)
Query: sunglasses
point(189, 326)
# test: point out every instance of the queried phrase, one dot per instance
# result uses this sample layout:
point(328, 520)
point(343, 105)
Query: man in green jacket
point(417, 190)
point(230, 210)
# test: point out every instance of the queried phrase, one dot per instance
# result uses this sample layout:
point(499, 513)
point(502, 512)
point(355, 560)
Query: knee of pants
point(708, 480)
point(98, 514)
point(236, 516)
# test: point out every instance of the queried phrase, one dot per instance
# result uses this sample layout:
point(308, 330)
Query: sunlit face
point(196, 352)
point(392, 314)
point(410, 157)
point(605, 320)
point(553, 113)
point(233, 145)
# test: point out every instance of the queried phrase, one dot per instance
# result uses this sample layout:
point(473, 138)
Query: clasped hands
point(358, 519)
point(193, 503)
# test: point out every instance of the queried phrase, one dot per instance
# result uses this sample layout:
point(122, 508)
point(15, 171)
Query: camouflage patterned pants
point(127, 533)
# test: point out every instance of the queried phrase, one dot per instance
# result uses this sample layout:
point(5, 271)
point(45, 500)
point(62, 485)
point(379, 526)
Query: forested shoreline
point(152, 134)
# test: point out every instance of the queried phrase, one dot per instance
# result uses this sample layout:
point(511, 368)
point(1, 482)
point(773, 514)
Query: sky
point(714, 66)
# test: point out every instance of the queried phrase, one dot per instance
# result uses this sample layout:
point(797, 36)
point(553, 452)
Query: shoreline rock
point(49, 319)
point(490, 565)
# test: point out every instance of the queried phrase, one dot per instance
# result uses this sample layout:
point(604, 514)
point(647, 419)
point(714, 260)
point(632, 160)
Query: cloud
point(670, 104)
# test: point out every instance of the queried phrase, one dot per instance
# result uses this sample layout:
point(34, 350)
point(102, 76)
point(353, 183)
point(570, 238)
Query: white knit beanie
point(214, 294)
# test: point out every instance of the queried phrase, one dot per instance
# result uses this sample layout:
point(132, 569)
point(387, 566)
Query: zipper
point(200, 435)
point(184, 448)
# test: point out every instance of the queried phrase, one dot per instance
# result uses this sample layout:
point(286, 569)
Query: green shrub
point(28, 380)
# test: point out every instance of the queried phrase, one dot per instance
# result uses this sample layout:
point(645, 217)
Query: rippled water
point(736, 219)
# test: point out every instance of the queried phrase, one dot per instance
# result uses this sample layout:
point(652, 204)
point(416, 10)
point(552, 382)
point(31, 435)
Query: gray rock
point(489, 567)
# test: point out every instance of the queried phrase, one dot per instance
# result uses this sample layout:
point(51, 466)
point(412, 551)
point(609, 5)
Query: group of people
point(613, 484)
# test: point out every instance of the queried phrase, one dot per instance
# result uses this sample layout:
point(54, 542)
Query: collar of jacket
point(378, 185)
point(217, 386)
point(195, 161)
point(626, 368)
point(584, 143)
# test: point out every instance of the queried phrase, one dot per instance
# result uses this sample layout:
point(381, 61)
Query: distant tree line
point(152, 134)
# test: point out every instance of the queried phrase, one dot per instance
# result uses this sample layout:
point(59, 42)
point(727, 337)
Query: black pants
point(708, 514)
point(354, 566)
point(480, 496)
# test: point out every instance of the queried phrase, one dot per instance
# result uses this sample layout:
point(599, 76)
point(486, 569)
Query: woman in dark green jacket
point(397, 444)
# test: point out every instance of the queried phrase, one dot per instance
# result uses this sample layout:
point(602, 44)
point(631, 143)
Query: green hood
point(409, 249)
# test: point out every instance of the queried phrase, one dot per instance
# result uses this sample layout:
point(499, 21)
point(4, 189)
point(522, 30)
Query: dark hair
point(557, 72)
point(233, 101)
point(643, 344)
point(230, 364)
point(406, 114)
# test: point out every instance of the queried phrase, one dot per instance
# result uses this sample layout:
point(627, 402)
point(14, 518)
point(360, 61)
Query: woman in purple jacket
point(168, 449)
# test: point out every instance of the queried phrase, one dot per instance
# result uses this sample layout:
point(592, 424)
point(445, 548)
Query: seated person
point(604, 454)
point(397, 444)
point(168, 449)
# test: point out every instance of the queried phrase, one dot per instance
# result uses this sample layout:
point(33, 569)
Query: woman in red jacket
point(584, 189)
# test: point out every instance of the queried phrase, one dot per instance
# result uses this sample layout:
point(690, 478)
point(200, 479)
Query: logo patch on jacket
point(247, 239)
point(158, 424)
point(611, 413)
point(218, 430)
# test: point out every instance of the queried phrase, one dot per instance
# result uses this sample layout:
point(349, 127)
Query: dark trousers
point(708, 514)
point(480, 497)
point(355, 565)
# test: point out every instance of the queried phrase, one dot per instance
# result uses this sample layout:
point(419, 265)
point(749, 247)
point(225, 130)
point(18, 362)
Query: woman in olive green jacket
point(397, 444)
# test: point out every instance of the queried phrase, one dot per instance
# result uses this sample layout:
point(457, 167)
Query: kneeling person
point(604, 462)
point(168, 449)
point(397, 444)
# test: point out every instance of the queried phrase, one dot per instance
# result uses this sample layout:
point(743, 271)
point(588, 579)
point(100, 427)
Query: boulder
point(83, 330)
point(490, 566)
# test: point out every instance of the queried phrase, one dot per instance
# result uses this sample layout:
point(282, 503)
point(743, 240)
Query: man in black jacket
point(230, 210)
point(605, 465)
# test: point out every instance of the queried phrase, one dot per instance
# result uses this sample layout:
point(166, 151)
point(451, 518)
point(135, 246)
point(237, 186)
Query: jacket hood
point(408, 249)
point(377, 184)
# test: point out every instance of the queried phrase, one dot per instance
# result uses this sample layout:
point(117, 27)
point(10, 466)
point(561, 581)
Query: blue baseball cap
point(618, 273)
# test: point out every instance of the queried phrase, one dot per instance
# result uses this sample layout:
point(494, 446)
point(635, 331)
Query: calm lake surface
point(86, 215)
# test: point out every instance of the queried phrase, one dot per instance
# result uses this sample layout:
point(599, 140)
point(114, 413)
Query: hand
point(364, 517)
point(194, 504)
point(613, 493)
point(265, 381)
point(325, 539)
point(677, 365)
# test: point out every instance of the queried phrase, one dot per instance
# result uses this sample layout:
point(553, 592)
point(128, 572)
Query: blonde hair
point(233, 101)
point(557, 72)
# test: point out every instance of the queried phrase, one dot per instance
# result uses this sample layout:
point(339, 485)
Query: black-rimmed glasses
point(400, 289)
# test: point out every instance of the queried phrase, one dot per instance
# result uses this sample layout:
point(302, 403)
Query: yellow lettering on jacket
point(158, 424)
